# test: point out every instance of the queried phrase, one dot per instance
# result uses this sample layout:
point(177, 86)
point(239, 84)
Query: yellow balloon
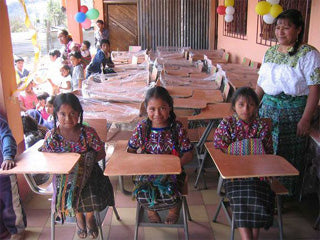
point(275, 10)
point(263, 7)
point(228, 3)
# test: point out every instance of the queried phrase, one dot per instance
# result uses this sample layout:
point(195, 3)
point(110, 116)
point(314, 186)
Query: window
point(265, 32)
point(238, 27)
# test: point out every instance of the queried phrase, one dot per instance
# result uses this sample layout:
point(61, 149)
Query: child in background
point(64, 84)
point(54, 67)
point(85, 53)
point(42, 104)
point(12, 217)
point(21, 72)
point(103, 57)
point(77, 74)
point(27, 98)
point(49, 109)
point(160, 133)
point(251, 200)
point(85, 189)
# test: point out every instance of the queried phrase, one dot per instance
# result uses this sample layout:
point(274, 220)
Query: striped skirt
point(285, 112)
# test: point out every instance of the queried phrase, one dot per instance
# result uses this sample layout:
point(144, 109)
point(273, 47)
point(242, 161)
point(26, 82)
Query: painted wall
point(248, 48)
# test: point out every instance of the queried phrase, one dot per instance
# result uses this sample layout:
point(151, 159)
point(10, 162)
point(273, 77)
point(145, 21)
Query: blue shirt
point(7, 143)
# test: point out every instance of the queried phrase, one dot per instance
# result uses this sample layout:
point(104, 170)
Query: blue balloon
point(80, 17)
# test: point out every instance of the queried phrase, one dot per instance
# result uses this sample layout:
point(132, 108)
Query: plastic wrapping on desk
point(126, 57)
point(170, 52)
point(113, 112)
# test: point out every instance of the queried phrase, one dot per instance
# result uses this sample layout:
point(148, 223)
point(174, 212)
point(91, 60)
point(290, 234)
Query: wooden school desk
point(32, 161)
point(123, 163)
point(178, 91)
point(189, 103)
point(211, 112)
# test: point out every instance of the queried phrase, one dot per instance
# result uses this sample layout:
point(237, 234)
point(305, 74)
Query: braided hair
point(159, 92)
point(69, 99)
point(295, 17)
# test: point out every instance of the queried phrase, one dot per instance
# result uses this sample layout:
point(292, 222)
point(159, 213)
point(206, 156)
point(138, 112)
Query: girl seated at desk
point(251, 199)
point(160, 133)
point(85, 189)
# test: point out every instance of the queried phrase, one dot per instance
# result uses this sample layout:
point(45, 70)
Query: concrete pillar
point(74, 28)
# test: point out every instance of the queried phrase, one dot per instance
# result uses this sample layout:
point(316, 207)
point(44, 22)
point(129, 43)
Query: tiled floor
point(297, 217)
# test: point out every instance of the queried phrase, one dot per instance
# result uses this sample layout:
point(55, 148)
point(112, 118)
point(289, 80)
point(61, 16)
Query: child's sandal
point(93, 233)
point(173, 215)
point(82, 233)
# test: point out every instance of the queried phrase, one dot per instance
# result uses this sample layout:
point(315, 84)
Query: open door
point(121, 19)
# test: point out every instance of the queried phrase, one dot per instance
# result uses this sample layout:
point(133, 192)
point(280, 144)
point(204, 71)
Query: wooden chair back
point(255, 65)
point(226, 92)
point(226, 56)
point(100, 125)
point(246, 62)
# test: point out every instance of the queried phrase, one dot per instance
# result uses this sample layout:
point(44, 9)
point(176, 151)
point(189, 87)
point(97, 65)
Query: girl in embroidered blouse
point(289, 86)
point(252, 200)
point(85, 189)
point(160, 133)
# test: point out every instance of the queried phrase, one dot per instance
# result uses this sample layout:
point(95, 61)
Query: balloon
point(268, 19)
point(273, 1)
point(84, 9)
point(92, 13)
point(228, 18)
point(86, 24)
point(221, 10)
point(275, 10)
point(228, 3)
point(80, 17)
point(263, 7)
point(230, 10)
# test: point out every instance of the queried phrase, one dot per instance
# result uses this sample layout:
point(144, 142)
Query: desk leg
point(52, 225)
point(125, 192)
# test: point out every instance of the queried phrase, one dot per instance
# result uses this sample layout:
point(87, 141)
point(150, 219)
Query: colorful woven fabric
point(252, 146)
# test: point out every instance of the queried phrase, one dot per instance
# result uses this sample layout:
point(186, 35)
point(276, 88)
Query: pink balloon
point(86, 24)
point(84, 9)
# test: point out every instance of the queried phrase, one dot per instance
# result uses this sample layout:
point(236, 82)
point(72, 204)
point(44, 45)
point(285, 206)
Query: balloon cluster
point(227, 9)
point(85, 16)
point(269, 9)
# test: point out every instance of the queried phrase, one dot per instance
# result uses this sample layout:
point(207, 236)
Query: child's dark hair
point(69, 99)
point(104, 41)
point(55, 52)
point(29, 124)
point(75, 54)
point(295, 17)
point(51, 99)
point(43, 96)
point(87, 43)
point(247, 93)
point(66, 67)
point(100, 21)
point(159, 92)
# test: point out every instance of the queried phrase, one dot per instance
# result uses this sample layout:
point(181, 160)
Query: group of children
point(86, 189)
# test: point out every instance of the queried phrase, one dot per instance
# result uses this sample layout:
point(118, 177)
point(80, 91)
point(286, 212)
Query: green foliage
point(55, 15)
point(17, 25)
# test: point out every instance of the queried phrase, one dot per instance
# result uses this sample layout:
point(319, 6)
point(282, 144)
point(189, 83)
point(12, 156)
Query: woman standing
point(289, 86)
point(67, 42)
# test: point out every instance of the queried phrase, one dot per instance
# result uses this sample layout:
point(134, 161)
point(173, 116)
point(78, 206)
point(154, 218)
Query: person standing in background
point(21, 72)
point(100, 34)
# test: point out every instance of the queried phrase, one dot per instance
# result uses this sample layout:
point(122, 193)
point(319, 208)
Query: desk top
point(211, 96)
point(33, 161)
point(213, 111)
point(189, 103)
point(123, 163)
point(179, 91)
point(232, 166)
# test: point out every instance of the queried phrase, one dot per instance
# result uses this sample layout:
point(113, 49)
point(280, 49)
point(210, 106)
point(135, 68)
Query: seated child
point(64, 83)
point(251, 200)
point(160, 133)
point(27, 98)
point(41, 105)
point(12, 217)
point(85, 189)
point(77, 74)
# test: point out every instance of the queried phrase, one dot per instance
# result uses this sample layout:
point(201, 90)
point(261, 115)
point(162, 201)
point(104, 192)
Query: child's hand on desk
point(7, 164)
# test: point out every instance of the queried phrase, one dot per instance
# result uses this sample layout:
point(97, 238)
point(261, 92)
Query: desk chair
point(142, 218)
point(276, 187)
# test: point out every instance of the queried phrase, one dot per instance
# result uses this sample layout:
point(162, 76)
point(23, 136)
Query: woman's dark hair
point(77, 55)
point(69, 99)
point(159, 92)
point(295, 17)
point(65, 33)
point(43, 96)
point(29, 124)
point(104, 41)
point(51, 99)
point(100, 21)
point(55, 52)
point(87, 43)
point(66, 67)
point(245, 92)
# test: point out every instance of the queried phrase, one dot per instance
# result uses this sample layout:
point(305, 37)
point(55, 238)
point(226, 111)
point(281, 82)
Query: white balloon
point(230, 10)
point(268, 19)
point(228, 18)
point(273, 1)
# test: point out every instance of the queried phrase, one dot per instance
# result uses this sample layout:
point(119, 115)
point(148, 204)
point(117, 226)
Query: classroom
point(173, 119)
